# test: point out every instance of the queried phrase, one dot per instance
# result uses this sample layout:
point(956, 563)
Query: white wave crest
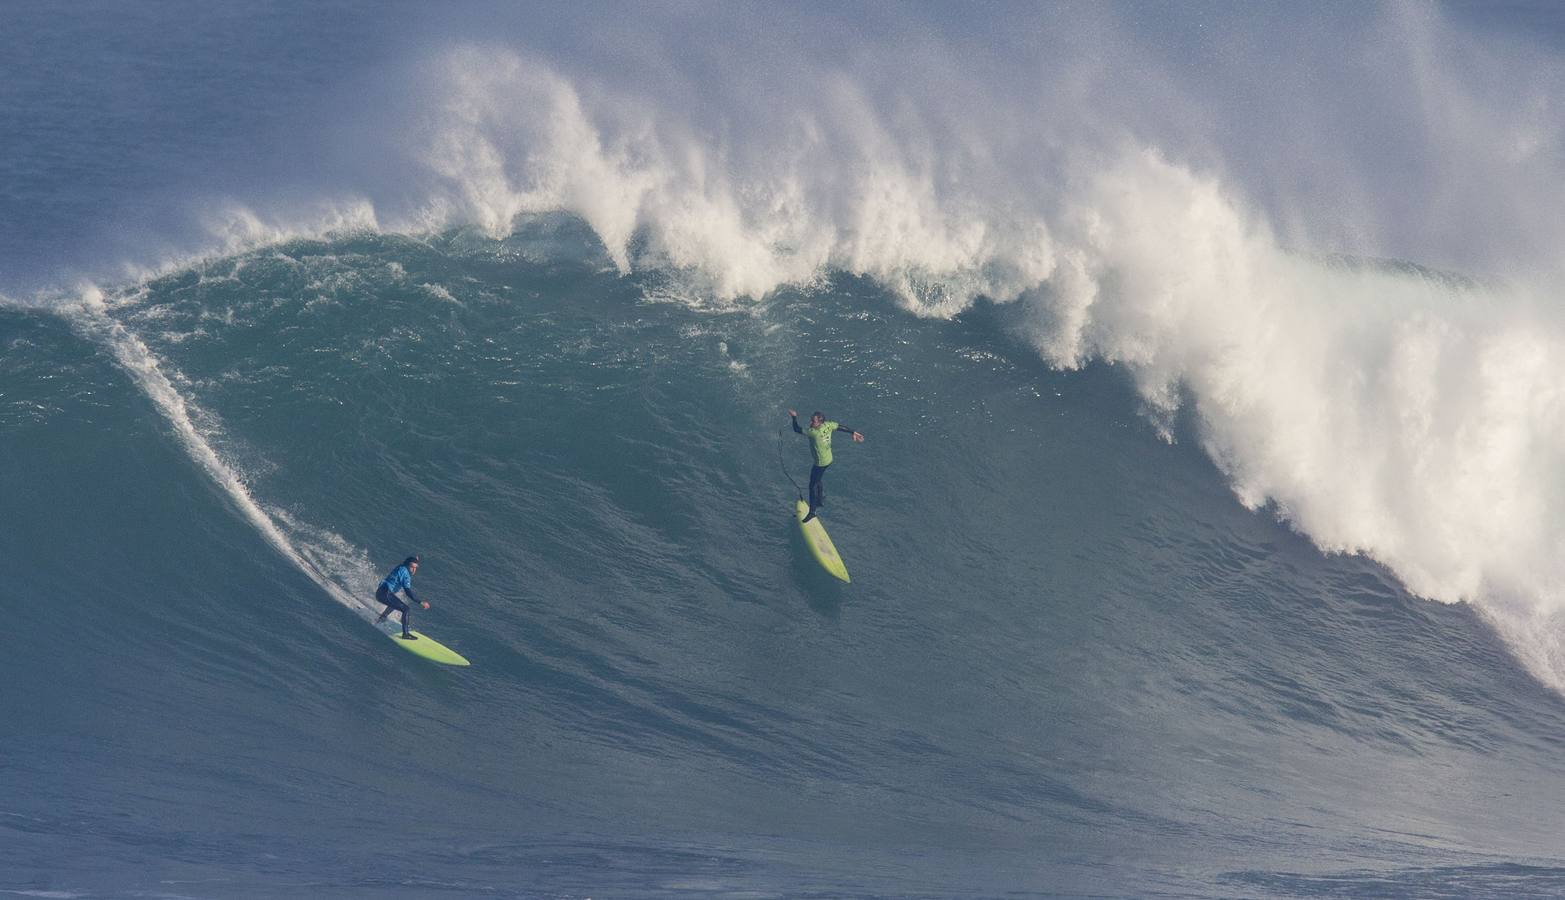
point(1148, 198)
point(1380, 410)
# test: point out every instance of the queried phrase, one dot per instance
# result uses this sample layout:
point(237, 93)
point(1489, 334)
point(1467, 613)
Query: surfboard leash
point(784, 466)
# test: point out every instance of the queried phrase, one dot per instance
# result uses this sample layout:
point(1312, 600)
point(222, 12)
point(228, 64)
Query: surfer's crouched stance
point(819, 433)
point(400, 579)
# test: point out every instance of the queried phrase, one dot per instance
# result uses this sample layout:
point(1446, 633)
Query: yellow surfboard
point(821, 547)
point(425, 646)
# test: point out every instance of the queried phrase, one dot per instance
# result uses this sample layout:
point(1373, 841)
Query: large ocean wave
point(1141, 194)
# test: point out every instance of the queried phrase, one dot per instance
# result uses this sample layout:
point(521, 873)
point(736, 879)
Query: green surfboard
point(819, 542)
point(425, 646)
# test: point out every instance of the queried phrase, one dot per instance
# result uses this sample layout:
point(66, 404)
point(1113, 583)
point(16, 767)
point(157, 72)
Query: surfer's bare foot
point(410, 637)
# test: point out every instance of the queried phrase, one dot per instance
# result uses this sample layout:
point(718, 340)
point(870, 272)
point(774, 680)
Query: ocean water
point(1204, 539)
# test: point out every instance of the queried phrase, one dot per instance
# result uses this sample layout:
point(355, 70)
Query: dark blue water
point(1069, 662)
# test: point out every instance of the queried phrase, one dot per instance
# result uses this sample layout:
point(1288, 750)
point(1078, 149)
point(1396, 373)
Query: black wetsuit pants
point(817, 486)
point(392, 601)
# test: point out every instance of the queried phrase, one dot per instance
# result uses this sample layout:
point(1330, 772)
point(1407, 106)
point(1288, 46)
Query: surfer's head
point(411, 562)
point(816, 418)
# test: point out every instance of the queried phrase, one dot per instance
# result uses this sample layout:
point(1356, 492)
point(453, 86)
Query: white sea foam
point(326, 558)
point(1387, 412)
point(439, 293)
point(1378, 409)
point(1150, 200)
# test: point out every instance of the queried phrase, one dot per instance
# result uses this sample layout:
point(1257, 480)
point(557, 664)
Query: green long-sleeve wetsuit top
point(820, 439)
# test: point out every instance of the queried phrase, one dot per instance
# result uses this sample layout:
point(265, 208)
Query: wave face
point(529, 297)
point(1064, 643)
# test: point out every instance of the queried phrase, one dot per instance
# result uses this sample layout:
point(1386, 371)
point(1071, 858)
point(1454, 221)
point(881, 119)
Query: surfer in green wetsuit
point(819, 433)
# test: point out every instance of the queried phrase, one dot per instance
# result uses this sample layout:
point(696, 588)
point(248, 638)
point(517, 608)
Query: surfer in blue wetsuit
point(819, 433)
point(400, 579)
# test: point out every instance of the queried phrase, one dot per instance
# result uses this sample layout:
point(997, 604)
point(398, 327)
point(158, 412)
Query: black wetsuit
point(817, 487)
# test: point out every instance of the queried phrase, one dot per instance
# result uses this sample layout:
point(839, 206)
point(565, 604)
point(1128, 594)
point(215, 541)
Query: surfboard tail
point(819, 542)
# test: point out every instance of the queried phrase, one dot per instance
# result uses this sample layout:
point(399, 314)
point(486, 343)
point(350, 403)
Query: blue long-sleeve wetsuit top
point(400, 579)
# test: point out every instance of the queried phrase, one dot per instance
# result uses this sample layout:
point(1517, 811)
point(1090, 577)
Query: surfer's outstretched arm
point(858, 438)
point(795, 418)
point(414, 597)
